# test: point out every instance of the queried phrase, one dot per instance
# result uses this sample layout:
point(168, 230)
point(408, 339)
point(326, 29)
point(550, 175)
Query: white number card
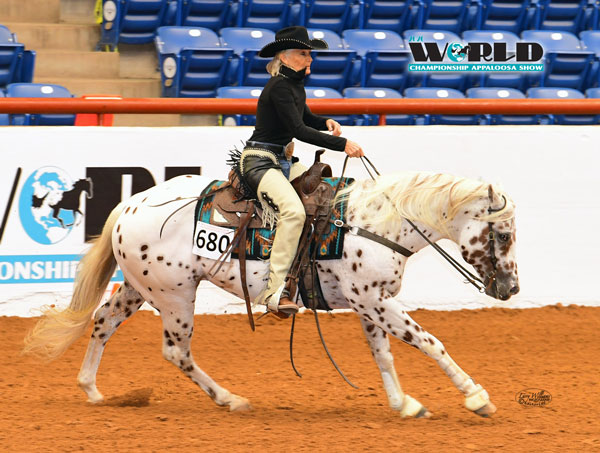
point(210, 241)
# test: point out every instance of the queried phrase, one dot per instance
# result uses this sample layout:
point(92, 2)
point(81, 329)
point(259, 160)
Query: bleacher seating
point(39, 90)
point(566, 63)
point(383, 58)
point(192, 60)
point(590, 41)
point(16, 63)
point(508, 15)
point(563, 93)
point(561, 15)
point(391, 15)
point(440, 93)
point(213, 14)
point(247, 68)
point(379, 93)
point(131, 21)
point(335, 15)
point(502, 93)
point(333, 67)
point(450, 15)
point(239, 93)
point(270, 14)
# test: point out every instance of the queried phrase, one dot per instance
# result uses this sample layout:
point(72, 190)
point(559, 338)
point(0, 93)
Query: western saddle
point(316, 196)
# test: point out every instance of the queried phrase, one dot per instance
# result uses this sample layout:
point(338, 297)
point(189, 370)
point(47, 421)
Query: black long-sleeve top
point(282, 114)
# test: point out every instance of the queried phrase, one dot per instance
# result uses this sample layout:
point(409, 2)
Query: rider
point(266, 163)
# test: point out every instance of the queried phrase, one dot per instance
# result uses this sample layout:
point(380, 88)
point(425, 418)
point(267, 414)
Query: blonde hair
point(434, 199)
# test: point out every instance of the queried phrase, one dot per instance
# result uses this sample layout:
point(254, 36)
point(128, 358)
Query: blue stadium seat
point(16, 64)
point(455, 80)
point(563, 93)
point(247, 68)
point(39, 90)
point(131, 21)
point(271, 14)
point(562, 15)
point(508, 15)
point(6, 36)
point(503, 93)
point(213, 14)
point(335, 15)
point(192, 60)
point(4, 119)
point(566, 63)
point(383, 58)
point(451, 15)
point(329, 93)
point(394, 15)
point(333, 67)
point(379, 93)
point(239, 93)
point(592, 93)
point(440, 93)
point(497, 79)
point(590, 41)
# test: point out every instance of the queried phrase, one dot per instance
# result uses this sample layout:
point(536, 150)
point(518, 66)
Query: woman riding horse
point(266, 164)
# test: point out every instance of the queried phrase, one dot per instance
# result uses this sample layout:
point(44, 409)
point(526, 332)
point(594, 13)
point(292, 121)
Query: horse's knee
point(432, 347)
point(385, 360)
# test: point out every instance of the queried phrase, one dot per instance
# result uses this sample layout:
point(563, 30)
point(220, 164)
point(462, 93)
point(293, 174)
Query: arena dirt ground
point(152, 407)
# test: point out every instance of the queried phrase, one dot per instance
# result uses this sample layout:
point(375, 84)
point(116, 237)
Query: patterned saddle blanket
point(259, 240)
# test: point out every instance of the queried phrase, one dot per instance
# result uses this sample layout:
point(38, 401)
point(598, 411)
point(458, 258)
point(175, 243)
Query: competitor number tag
point(210, 241)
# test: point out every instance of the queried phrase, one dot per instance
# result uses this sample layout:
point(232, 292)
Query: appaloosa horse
point(163, 271)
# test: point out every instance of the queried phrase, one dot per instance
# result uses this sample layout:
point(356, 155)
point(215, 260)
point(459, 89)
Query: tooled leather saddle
point(232, 210)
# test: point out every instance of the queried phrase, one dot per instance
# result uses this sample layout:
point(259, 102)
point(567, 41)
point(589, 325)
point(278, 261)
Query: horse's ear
point(491, 193)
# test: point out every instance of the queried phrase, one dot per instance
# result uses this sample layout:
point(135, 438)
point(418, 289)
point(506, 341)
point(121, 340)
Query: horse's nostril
point(514, 290)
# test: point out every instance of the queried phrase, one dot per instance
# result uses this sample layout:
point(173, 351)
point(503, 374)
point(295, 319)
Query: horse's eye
point(503, 237)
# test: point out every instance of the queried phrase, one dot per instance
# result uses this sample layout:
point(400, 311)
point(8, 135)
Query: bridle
point(482, 285)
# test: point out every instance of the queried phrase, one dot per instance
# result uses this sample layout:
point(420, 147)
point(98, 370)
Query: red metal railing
point(321, 106)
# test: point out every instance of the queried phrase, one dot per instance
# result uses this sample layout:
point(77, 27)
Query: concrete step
point(127, 88)
point(30, 11)
point(56, 36)
point(138, 61)
point(77, 11)
point(74, 64)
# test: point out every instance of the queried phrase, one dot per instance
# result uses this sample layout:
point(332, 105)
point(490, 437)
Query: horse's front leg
point(380, 347)
point(390, 317)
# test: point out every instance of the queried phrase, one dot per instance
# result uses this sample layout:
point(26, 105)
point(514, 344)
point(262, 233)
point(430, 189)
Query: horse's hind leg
point(121, 305)
point(380, 347)
point(178, 324)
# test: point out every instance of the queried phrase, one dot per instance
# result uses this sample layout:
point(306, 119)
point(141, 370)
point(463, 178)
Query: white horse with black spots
point(163, 271)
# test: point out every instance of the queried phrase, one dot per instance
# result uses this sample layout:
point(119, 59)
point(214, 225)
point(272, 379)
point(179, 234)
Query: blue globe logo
point(42, 218)
point(456, 52)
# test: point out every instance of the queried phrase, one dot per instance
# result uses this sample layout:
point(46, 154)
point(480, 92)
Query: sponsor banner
point(58, 185)
point(520, 67)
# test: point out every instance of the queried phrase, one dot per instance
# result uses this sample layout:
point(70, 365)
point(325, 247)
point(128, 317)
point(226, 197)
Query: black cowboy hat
point(291, 38)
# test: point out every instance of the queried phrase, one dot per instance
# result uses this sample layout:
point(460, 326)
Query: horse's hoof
point(239, 404)
point(413, 409)
point(486, 411)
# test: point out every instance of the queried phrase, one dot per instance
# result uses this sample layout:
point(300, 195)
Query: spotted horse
point(162, 271)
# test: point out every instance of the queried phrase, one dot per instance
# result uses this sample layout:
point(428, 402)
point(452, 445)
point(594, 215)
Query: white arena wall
point(551, 172)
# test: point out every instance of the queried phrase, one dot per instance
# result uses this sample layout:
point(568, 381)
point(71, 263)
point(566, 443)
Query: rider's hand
point(353, 149)
point(334, 127)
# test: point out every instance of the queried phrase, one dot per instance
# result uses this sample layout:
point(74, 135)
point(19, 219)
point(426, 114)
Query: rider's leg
point(277, 192)
point(296, 170)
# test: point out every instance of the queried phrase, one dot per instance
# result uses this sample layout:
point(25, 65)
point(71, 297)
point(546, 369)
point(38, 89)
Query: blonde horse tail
point(58, 329)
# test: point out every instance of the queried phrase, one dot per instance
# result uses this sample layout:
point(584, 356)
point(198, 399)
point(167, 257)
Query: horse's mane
point(434, 199)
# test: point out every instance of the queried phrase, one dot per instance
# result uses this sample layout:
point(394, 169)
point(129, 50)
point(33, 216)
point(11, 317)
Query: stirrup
point(284, 307)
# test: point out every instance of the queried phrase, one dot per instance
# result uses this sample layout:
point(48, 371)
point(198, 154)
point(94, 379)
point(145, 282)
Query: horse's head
point(487, 242)
point(86, 186)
